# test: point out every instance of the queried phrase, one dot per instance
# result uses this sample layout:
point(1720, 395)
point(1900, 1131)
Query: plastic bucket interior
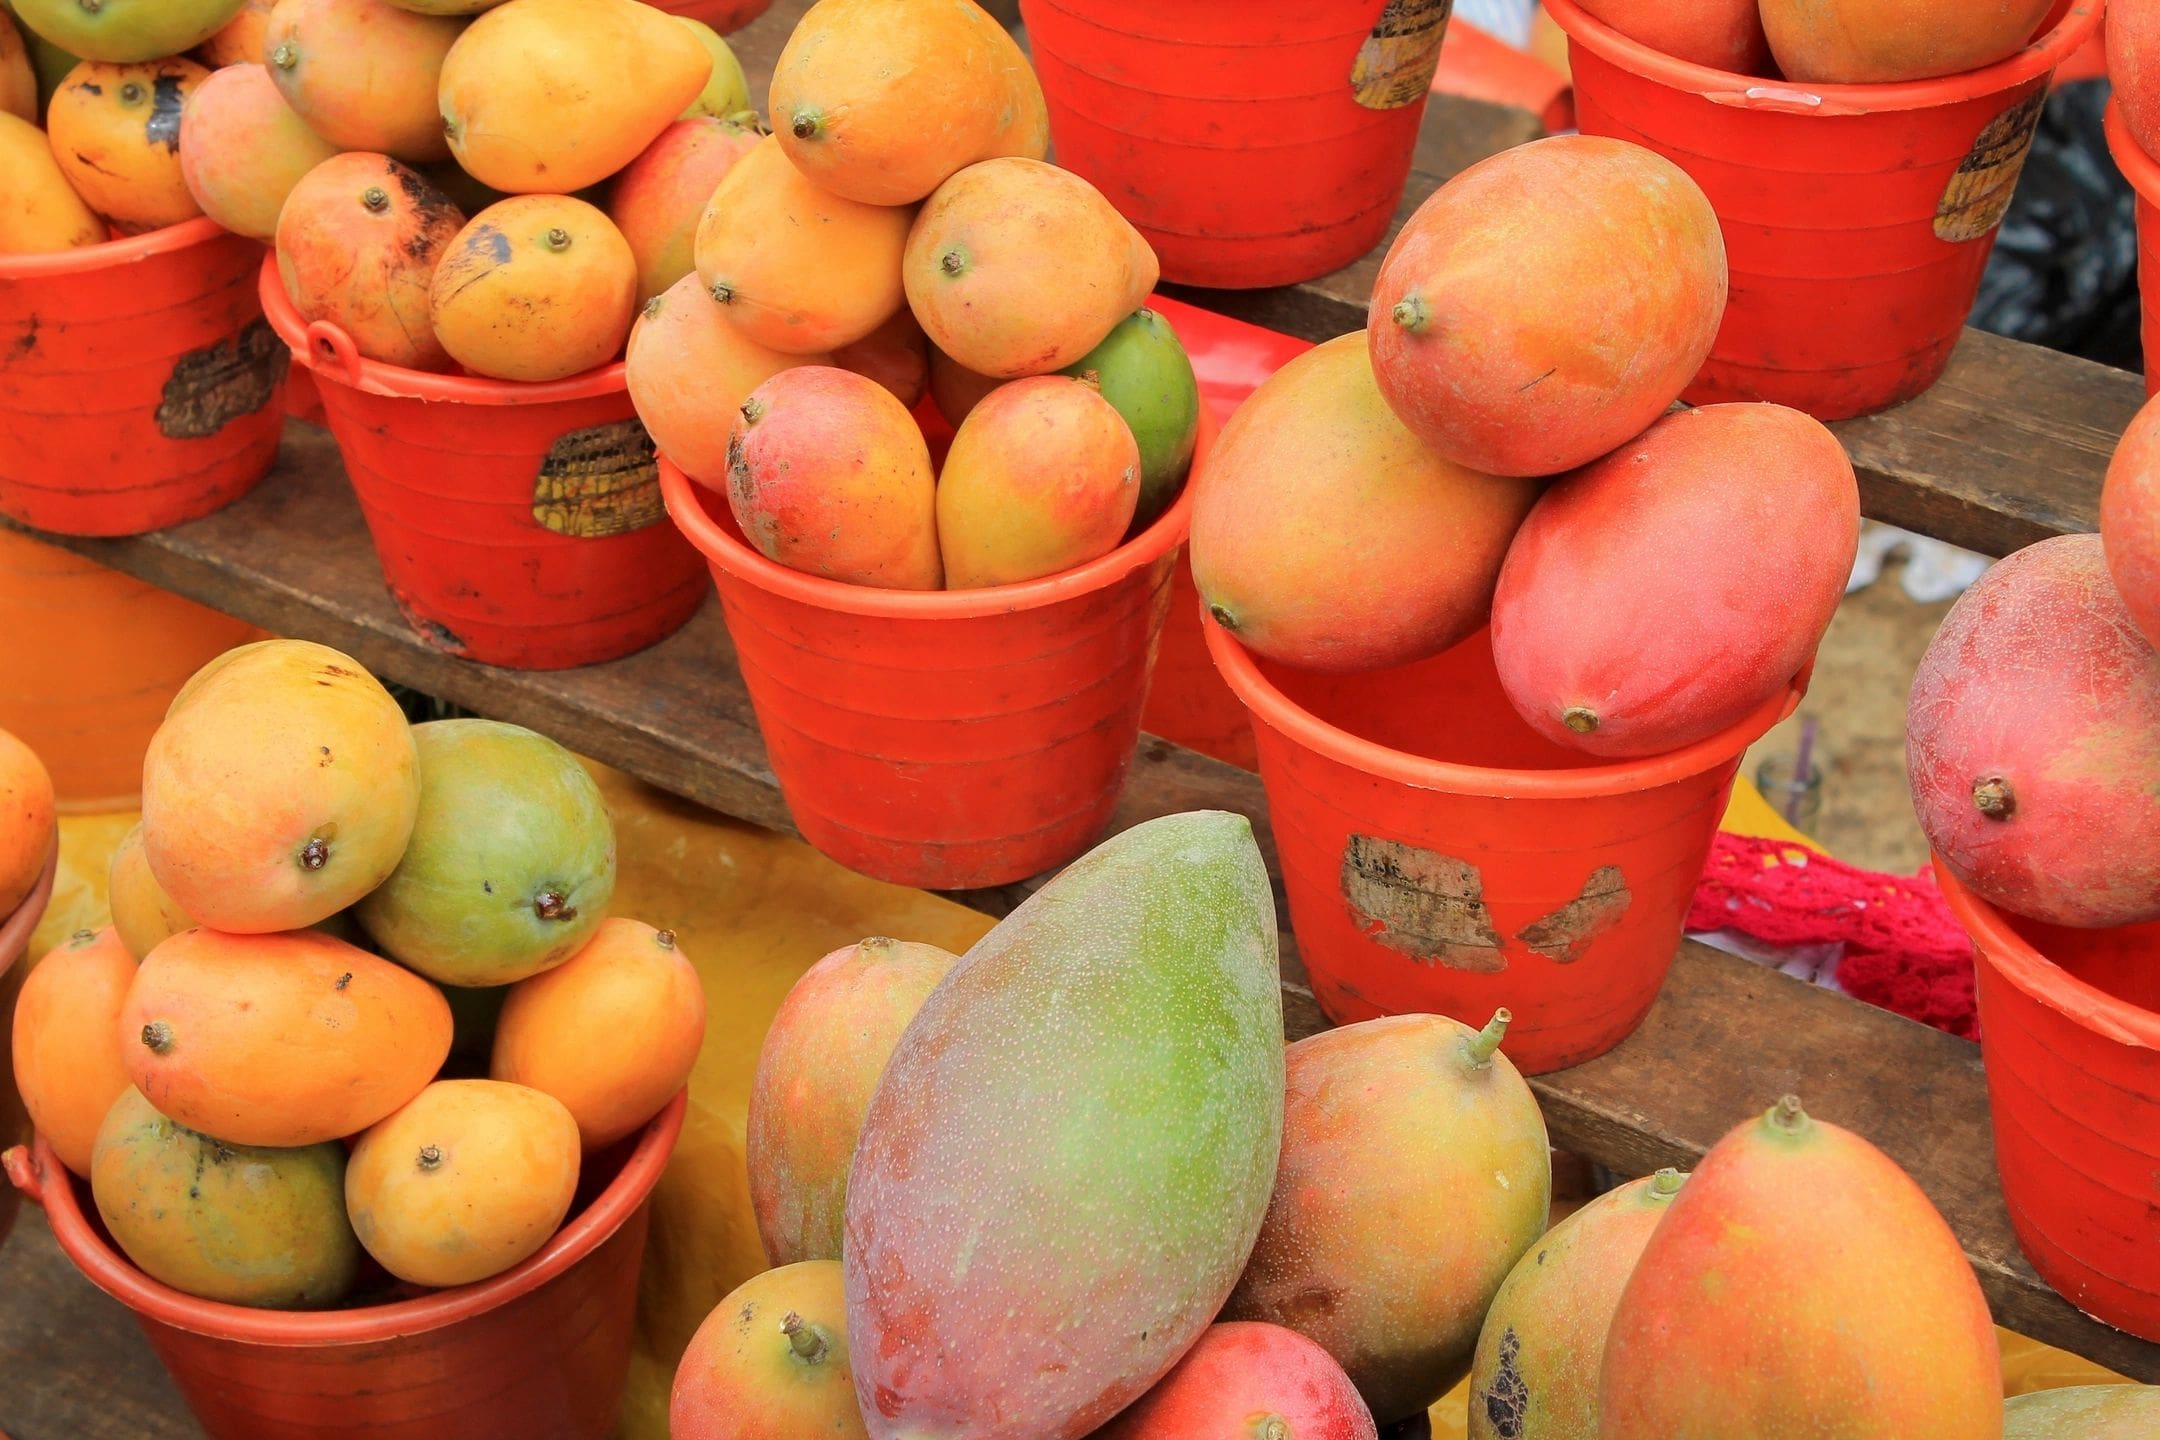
point(1254, 144)
point(1857, 218)
point(16, 928)
point(539, 1352)
point(2070, 1035)
point(2143, 173)
point(139, 386)
point(517, 524)
point(1441, 857)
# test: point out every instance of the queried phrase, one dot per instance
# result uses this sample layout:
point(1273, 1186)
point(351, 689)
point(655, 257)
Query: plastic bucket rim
point(1626, 777)
point(126, 250)
point(152, 1301)
point(396, 381)
point(2035, 976)
point(2139, 168)
point(2037, 57)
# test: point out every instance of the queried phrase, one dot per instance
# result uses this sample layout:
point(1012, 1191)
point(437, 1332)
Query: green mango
point(125, 31)
point(1070, 1152)
point(727, 92)
point(2085, 1412)
point(1143, 371)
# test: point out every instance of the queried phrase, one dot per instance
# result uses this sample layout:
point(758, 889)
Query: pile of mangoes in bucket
point(362, 996)
point(1841, 42)
point(1071, 1184)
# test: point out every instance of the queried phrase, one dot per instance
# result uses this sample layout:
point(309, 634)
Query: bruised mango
point(363, 73)
point(1883, 42)
point(690, 370)
point(240, 42)
point(1143, 371)
point(115, 130)
point(357, 245)
point(771, 1360)
point(18, 76)
point(142, 912)
point(896, 355)
point(68, 1066)
point(242, 150)
point(660, 197)
point(727, 89)
point(538, 287)
point(125, 32)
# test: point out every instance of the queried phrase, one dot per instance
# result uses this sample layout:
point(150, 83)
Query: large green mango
point(1143, 371)
point(125, 31)
point(1066, 1163)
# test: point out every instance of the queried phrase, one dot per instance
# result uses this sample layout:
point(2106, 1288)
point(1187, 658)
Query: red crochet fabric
point(1904, 950)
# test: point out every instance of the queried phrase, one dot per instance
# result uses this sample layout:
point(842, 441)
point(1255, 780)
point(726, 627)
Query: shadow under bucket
point(1857, 218)
point(2070, 1036)
point(2143, 173)
point(1441, 857)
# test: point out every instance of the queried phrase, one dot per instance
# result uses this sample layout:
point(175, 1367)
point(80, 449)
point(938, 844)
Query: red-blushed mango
point(280, 789)
point(242, 149)
point(727, 89)
point(770, 1361)
point(1520, 336)
point(612, 1032)
point(124, 32)
point(537, 96)
point(1535, 1376)
point(1804, 1249)
point(2033, 742)
point(1245, 1381)
point(241, 42)
point(2133, 63)
point(469, 1179)
point(1394, 1280)
point(659, 198)
point(538, 287)
point(363, 73)
point(278, 1040)
point(67, 1045)
point(357, 245)
point(1042, 476)
point(956, 389)
point(18, 76)
point(2130, 519)
point(2084, 1412)
point(829, 474)
point(1605, 644)
point(896, 355)
point(690, 370)
point(142, 912)
point(39, 210)
point(29, 821)
point(1324, 534)
point(884, 100)
point(799, 269)
point(1882, 42)
point(115, 129)
point(993, 296)
point(1722, 34)
point(819, 1066)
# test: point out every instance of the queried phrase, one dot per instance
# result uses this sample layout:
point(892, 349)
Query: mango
point(956, 389)
point(828, 474)
point(115, 129)
point(690, 370)
point(1142, 369)
point(1042, 476)
point(2130, 520)
point(18, 76)
point(896, 355)
point(1535, 1375)
point(819, 1066)
point(511, 864)
point(1722, 34)
point(363, 73)
point(1884, 42)
point(357, 245)
point(2084, 1412)
point(882, 101)
point(29, 821)
point(278, 1040)
point(1325, 536)
point(1244, 1381)
point(535, 98)
point(1520, 337)
point(799, 269)
point(51, 63)
point(66, 1040)
point(1586, 586)
point(1393, 1280)
point(242, 149)
point(727, 89)
point(998, 300)
point(142, 912)
point(771, 1360)
point(2133, 63)
point(660, 197)
point(1804, 1248)
point(446, 7)
point(2033, 742)
point(240, 1224)
point(1089, 1215)
point(536, 288)
point(125, 32)
point(241, 41)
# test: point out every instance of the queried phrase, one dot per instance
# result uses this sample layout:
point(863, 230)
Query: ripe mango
point(1722, 34)
point(39, 210)
point(1143, 371)
point(363, 73)
point(660, 197)
point(2084, 1412)
point(143, 913)
point(125, 32)
point(357, 244)
point(690, 370)
point(1088, 1215)
point(537, 287)
point(956, 389)
point(66, 1038)
point(727, 89)
point(1042, 476)
point(896, 355)
point(242, 149)
point(537, 97)
point(115, 130)
point(1883, 42)
point(2130, 521)
point(18, 76)
point(1249, 1382)
point(770, 1361)
point(240, 42)
point(997, 299)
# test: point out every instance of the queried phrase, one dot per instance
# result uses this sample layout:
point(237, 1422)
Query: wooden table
point(2010, 448)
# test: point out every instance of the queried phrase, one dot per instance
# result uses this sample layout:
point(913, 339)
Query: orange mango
point(690, 370)
point(538, 287)
point(771, 1360)
point(241, 41)
point(1722, 34)
point(896, 355)
point(115, 129)
point(39, 209)
point(362, 73)
point(357, 244)
point(28, 821)
point(956, 389)
point(142, 912)
point(242, 149)
point(18, 76)
point(68, 1065)
point(660, 197)
point(1882, 42)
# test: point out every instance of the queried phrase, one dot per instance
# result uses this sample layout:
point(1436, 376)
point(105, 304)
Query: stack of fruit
point(1829, 42)
point(336, 932)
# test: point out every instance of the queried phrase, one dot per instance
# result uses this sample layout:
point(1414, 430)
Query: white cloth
point(1507, 20)
point(1933, 570)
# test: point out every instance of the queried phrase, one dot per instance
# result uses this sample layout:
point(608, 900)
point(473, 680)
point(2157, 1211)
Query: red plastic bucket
point(2143, 173)
point(139, 387)
point(1253, 144)
point(517, 524)
point(2070, 1035)
point(16, 928)
point(1858, 218)
point(540, 1352)
point(1441, 857)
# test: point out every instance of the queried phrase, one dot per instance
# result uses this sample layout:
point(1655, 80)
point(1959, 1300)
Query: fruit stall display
point(914, 413)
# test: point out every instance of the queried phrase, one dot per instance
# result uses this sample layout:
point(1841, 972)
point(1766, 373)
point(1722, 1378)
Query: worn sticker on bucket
point(600, 481)
point(1396, 64)
point(216, 385)
point(1421, 903)
point(1979, 194)
point(1567, 933)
